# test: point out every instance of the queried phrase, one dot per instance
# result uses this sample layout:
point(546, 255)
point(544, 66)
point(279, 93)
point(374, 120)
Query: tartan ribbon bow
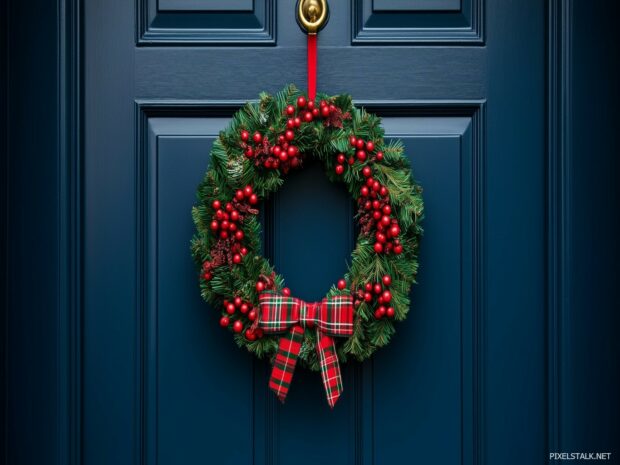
point(333, 316)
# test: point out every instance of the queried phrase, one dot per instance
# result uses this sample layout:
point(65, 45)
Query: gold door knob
point(312, 15)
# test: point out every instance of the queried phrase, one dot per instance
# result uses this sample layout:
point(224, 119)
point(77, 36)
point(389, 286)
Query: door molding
point(71, 116)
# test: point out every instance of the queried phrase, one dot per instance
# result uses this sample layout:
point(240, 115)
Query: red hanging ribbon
point(312, 52)
point(332, 317)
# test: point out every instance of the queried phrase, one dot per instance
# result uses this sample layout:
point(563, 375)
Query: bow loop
point(332, 316)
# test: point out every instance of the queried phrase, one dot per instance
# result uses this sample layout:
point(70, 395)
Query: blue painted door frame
point(511, 349)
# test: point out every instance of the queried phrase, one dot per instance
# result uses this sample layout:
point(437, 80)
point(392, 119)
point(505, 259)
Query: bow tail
point(330, 368)
point(289, 346)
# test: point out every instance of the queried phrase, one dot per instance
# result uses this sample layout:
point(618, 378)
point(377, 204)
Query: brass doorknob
point(312, 15)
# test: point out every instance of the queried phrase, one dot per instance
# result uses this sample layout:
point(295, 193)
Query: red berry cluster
point(377, 293)
point(284, 154)
point(226, 223)
point(240, 310)
point(376, 215)
point(363, 151)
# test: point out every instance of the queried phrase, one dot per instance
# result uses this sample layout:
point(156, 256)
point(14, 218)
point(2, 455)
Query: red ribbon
point(312, 52)
point(331, 317)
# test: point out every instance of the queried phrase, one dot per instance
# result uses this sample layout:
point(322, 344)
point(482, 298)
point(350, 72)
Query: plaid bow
point(332, 316)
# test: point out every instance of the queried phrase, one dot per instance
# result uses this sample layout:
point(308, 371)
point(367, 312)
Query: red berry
point(244, 308)
point(286, 291)
point(310, 105)
point(367, 172)
point(236, 259)
point(237, 301)
point(230, 308)
point(370, 146)
point(378, 314)
point(283, 156)
point(260, 286)
point(378, 247)
point(385, 220)
point(232, 227)
point(292, 151)
point(379, 156)
point(387, 280)
point(308, 116)
point(340, 159)
point(225, 224)
point(398, 249)
point(229, 207)
point(290, 110)
point(380, 237)
point(368, 297)
point(315, 112)
point(224, 234)
point(290, 123)
point(325, 112)
point(239, 195)
point(376, 204)
point(390, 312)
point(351, 160)
point(257, 137)
point(239, 235)
point(364, 191)
point(382, 310)
point(289, 135)
point(353, 141)
point(361, 155)
point(339, 169)
point(301, 101)
point(253, 199)
point(216, 205)
point(249, 335)
point(244, 251)
point(214, 225)
point(370, 182)
point(224, 321)
point(207, 276)
point(297, 121)
point(377, 288)
point(367, 205)
point(249, 152)
point(387, 296)
point(360, 144)
point(387, 209)
point(368, 287)
point(247, 191)
point(342, 284)
point(252, 315)
point(395, 230)
point(237, 326)
point(383, 191)
point(376, 215)
point(245, 135)
point(376, 186)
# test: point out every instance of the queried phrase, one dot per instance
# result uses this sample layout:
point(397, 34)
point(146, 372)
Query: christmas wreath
point(249, 161)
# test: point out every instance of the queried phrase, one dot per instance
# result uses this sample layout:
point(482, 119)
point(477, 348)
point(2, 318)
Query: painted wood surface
point(111, 356)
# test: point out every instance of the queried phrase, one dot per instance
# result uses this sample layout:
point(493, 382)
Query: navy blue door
point(462, 82)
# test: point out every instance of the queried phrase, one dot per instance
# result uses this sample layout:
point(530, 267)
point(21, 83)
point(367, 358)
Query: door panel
point(163, 384)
